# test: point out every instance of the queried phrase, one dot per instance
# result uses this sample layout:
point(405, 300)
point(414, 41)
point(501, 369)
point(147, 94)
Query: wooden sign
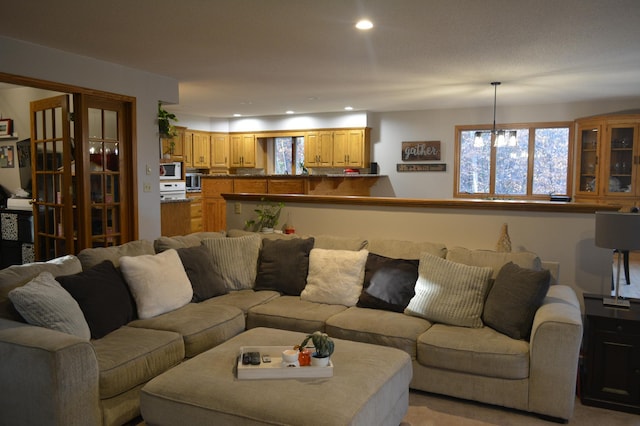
point(433, 167)
point(421, 151)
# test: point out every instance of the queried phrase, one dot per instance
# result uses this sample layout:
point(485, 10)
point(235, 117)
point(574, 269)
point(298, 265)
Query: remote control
point(255, 358)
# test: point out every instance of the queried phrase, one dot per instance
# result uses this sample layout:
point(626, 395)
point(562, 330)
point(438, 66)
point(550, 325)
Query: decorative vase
point(319, 362)
point(504, 242)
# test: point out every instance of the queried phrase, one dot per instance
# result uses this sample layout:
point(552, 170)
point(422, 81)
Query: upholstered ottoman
point(370, 386)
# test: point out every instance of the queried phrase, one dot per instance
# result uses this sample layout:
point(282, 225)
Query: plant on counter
point(165, 128)
point(268, 214)
point(323, 344)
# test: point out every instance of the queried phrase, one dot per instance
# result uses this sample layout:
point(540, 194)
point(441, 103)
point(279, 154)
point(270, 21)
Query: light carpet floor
point(435, 410)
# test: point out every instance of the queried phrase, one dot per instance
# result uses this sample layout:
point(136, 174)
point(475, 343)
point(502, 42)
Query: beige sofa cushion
point(90, 257)
point(496, 260)
point(378, 327)
point(244, 299)
point(201, 325)
point(479, 351)
point(399, 249)
point(330, 242)
point(131, 356)
point(291, 313)
point(183, 241)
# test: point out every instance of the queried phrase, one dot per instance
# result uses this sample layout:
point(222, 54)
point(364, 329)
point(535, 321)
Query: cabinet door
point(620, 155)
point(340, 148)
point(201, 146)
point(325, 149)
point(311, 149)
point(219, 150)
point(588, 167)
point(248, 150)
point(357, 149)
point(215, 214)
point(173, 148)
point(188, 148)
point(235, 148)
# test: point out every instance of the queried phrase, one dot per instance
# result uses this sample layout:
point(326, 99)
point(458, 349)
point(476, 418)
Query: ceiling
point(263, 57)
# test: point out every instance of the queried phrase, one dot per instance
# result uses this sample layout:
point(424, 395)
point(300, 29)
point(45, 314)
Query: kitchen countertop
point(328, 175)
point(185, 200)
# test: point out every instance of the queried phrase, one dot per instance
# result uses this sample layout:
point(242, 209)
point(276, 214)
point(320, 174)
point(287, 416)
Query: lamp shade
point(616, 230)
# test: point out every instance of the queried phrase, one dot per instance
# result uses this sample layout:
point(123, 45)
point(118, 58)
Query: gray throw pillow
point(516, 295)
point(284, 265)
point(43, 302)
point(205, 278)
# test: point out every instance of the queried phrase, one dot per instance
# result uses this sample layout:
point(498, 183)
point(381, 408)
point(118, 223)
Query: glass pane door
point(588, 138)
point(620, 160)
point(53, 174)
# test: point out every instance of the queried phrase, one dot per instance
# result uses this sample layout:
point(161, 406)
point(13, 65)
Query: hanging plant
point(165, 128)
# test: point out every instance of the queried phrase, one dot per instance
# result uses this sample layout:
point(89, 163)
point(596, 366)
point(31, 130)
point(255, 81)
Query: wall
point(567, 238)
point(30, 60)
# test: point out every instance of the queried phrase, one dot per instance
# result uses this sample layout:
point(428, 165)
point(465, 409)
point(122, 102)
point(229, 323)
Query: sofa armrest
point(554, 349)
point(47, 377)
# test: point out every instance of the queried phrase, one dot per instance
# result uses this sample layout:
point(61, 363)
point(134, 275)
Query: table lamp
point(618, 231)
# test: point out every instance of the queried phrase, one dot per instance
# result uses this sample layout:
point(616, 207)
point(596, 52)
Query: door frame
point(131, 121)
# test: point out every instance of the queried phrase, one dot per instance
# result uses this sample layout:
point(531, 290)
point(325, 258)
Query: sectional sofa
point(81, 335)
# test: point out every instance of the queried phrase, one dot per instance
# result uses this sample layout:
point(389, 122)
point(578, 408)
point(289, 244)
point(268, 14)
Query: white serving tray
point(276, 369)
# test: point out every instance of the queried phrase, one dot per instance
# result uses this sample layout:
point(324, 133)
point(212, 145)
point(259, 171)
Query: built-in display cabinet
point(608, 157)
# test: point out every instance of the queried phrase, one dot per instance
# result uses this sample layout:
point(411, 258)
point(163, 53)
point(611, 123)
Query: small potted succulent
point(323, 345)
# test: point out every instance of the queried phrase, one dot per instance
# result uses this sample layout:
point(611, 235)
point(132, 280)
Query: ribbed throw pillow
point(236, 259)
point(43, 301)
point(449, 292)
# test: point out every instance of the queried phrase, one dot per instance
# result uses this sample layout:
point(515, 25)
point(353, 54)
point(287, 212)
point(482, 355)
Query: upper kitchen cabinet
point(318, 149)
point(243, 150)
point(608, 160)
point(201, 147)
point(173, 148)
point(351, 148)
point(219, 150)
point(188, 148)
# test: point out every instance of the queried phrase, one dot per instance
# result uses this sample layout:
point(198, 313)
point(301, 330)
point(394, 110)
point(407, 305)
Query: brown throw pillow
point(284, 265)
point(389, 284)
point(206, 281)
point(516, 295)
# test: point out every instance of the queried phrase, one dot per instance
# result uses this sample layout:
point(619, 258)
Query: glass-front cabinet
point(608, 160)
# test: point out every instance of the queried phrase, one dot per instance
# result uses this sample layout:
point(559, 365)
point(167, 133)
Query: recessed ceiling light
point(364, 24)
point(348, 108)
point(290, 112)
point(237, 115)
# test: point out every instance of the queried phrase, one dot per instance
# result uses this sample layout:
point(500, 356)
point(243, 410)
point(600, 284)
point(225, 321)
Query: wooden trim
point(476, 204)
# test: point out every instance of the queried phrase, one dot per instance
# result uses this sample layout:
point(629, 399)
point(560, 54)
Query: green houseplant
point(165, 128)
point(268, 214)
point(324, 347)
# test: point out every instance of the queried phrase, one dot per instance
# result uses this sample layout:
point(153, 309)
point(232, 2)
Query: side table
point(611, 374)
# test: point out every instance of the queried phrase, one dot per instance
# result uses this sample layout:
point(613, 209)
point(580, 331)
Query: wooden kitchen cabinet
point(201, 147)
point(351, 148)
point(196, 211)
point(318, 149)
point(286, 186)
point(219, 150)
point(176, 151)
point(608, 157)
point(242, 148)
point(188, 148)
point(251, 186)
point(214, 207)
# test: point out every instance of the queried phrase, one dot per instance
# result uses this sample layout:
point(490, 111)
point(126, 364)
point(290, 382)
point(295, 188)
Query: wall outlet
point(146, 187)
point(238, 208)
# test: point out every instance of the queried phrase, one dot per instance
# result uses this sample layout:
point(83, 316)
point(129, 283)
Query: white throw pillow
point(158, 282)
point(449, 292)
point(236, 259)
point(44, 302)
point(335, 276)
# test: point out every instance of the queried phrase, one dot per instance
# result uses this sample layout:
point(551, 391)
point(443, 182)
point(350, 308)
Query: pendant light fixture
point(499, 141)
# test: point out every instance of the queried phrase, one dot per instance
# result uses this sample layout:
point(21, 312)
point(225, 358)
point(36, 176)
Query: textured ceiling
point(263, 57)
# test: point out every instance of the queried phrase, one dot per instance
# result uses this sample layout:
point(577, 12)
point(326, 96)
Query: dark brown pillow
point(283, 265)
point(103, 297)
point(206, 280)
point(514, 298)
point(389, 284)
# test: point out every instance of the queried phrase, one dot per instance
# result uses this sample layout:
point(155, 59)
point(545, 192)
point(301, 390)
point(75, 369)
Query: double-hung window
point(288, 155)
point(530, 161)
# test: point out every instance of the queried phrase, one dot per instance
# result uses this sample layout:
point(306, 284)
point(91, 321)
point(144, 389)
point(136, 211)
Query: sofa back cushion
point(330, 242)
point(399, 249)
point(18, 275)
point(90, 257)
point(182, 241)
point(496, 260)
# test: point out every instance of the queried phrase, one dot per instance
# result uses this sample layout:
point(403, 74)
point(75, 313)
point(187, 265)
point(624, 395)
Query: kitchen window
point(534, 161)
point(289, 155)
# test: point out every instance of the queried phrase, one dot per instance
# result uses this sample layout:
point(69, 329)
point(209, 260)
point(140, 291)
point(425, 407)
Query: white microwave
point(171, 171)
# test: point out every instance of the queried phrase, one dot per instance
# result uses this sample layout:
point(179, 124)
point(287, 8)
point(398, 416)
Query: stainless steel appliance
point(171, 171)
point(193, 182)
point(175, 190)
